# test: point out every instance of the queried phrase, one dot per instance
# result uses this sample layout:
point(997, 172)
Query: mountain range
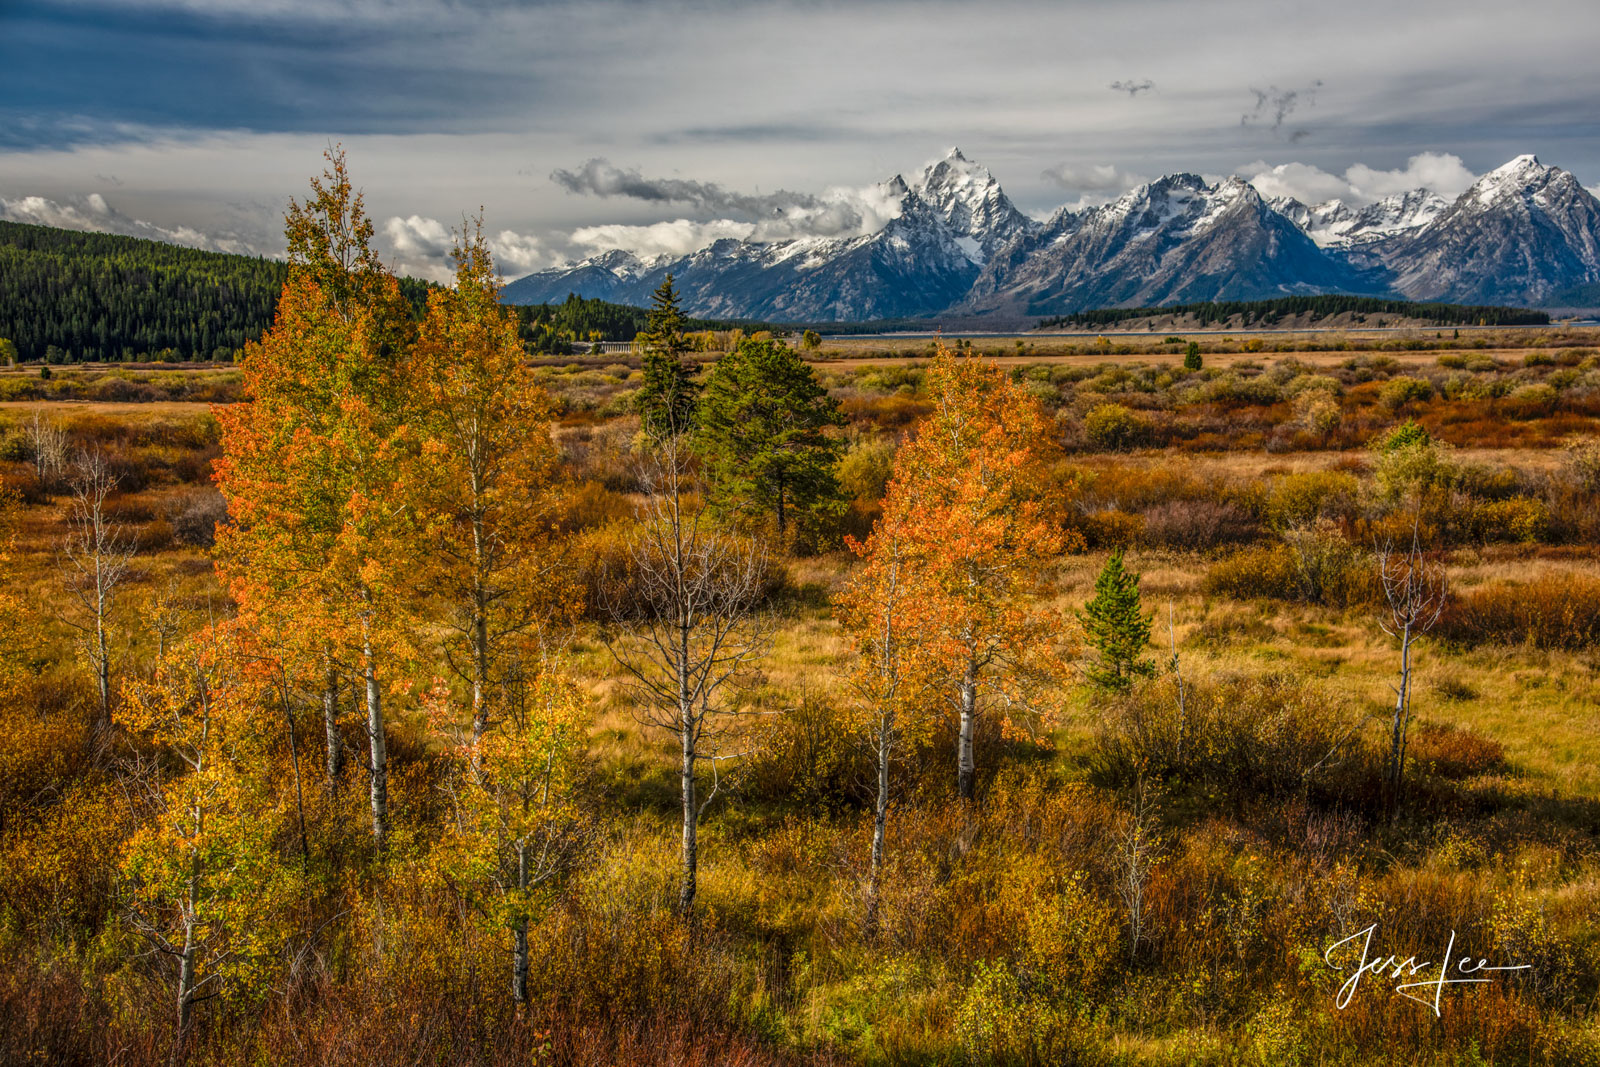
point(1523, 234)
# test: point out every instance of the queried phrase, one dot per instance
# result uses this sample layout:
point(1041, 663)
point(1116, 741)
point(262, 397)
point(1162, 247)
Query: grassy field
point(1005, 937)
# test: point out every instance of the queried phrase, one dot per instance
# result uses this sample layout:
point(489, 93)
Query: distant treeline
point(72, 297)
point(554, 328)
point(1271, 312)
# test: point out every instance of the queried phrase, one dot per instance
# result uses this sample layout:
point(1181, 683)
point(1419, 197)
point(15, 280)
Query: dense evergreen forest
point(67, 296)
point(1270, 312)
point(70, 297)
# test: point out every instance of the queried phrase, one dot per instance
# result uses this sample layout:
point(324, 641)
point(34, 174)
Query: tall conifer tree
point(761, 428)
point(667, 399)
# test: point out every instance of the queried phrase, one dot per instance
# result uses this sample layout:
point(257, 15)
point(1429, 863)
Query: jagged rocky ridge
point(1522, 235)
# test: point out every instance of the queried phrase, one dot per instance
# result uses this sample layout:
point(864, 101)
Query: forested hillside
point(70, 297)
point(67, 296)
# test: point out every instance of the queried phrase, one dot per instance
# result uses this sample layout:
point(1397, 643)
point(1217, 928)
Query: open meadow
point(1160, 837)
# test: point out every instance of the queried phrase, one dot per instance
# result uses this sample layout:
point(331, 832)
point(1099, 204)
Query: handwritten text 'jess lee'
point(1411, 967)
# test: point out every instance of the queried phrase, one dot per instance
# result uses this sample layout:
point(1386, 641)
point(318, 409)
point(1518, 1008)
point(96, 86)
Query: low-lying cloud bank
point(93, 213)
point(1360, 184)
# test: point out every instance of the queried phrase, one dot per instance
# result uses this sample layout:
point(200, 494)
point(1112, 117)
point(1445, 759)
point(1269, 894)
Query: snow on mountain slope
point(1521, 234)
point(1176, 240)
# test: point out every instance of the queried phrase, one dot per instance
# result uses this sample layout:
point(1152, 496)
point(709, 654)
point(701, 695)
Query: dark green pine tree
point(761, 430)
point(666, 401)
point(1117, 628)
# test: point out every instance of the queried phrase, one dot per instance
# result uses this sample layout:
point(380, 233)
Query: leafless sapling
point(692, 626)
point(97, 552)
point(1414, 590)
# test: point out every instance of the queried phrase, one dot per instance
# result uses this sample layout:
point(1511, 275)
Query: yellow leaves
point(198, 701)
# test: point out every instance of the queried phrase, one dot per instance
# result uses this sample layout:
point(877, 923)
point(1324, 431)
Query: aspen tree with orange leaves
point(485, 480)
point(885, 613)
point(980, 515)
point(311, 460)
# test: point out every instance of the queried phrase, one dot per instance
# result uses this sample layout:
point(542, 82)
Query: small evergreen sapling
point(1116, 626)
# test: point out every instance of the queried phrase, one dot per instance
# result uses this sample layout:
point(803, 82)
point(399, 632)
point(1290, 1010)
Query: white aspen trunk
point(880, 823)
point(330, 726)
point(519, 936)
point(691, 809)
point(377, 744)
point(480, 672)
point(965, 763)
point(102, 659)
point(185, 991)
point(1397, 740)
point(480, 615)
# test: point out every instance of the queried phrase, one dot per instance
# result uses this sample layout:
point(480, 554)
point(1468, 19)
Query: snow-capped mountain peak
point(1511, 179)
point(1521, 234)
point(1524, 233)
point(966, 196)
point(1335, 224)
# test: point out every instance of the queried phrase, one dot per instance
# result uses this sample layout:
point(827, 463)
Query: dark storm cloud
point(598, 177)
point(87, 73)
point(449, 104)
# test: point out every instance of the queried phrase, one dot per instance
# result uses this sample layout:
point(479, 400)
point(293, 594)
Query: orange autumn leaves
point(952, 571)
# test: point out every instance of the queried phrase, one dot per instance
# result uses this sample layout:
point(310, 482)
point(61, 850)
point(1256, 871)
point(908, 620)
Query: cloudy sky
point(660, 125)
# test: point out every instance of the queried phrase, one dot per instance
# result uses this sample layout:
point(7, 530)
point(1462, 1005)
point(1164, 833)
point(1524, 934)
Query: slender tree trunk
point(330, 726)
point(294, 763)
point(880, 824)
point(102, 658)
point(1397, 740)
point(480, 672)
point(691, 821)
point(378, 745)
point(969, 714)
point(480, 616)
point(185, 993)
point(519, 936)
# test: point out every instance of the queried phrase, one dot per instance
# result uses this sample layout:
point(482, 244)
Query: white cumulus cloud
point(1440, 172)
point(1303, 182)
point(422, 247)
point(1095, 183)
point(677, 237)
point(1360, 184)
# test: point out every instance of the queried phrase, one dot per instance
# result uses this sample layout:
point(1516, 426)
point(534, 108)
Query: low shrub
point(1195, 524)
point(807, 755)
point(1552, 611)
point(1110, 528)
point(1520, 519)
point(1270, 733)
point(195, 514)
point(1314, 564)
point(1296, 499)
point(1114, 427)
point(866, 467)
point(1454, 752)
point(1398, 392)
